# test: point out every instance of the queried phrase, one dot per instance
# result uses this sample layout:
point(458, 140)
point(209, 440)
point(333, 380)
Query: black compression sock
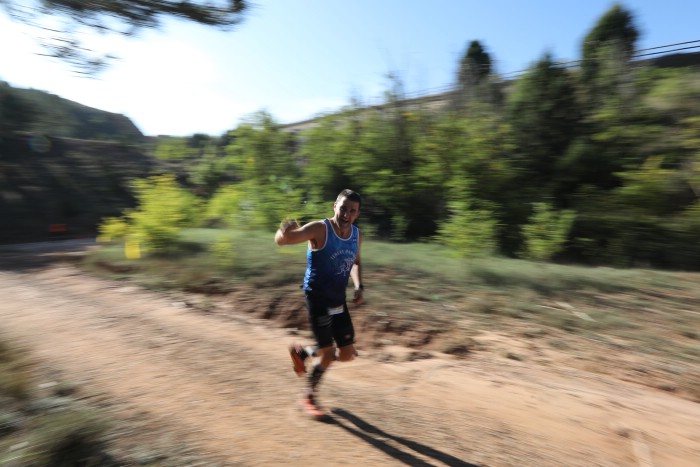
point(315, 376)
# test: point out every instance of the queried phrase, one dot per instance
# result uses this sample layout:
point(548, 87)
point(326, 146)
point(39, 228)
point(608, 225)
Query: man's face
point(346, 211)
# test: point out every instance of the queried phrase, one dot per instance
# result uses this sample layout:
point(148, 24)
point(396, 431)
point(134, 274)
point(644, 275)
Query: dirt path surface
point(189, 388)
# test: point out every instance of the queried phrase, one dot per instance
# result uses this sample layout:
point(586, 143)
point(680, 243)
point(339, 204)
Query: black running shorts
point(328, 326)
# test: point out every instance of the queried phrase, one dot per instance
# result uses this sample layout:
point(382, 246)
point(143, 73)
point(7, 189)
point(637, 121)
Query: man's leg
point(346, 353)
point(344, 336)
point(322, 327)
point(327, 355)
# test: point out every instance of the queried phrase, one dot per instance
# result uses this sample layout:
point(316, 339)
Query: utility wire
point(572, 63)
point(569, 64)
point(669, 45)
point(668, 51)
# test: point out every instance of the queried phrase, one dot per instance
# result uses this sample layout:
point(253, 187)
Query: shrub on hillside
point(547, 232)
point(164, 209)
point(469, 232)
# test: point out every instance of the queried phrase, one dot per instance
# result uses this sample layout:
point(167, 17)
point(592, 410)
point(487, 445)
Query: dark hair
point(351, 195)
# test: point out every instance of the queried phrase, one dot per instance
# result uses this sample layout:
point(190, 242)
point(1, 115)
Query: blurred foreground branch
point(59, 24)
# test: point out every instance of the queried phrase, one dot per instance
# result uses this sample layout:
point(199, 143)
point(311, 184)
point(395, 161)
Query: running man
point(333, 256)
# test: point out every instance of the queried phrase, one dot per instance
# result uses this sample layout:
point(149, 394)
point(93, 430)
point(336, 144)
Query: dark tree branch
point(123, 17)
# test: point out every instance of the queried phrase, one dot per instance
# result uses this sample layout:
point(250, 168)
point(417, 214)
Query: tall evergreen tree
point(607, 50)
point(474, 78)
point(545, 115)
point(474, 66)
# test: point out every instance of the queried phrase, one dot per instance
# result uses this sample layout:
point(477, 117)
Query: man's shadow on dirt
point(376, 437)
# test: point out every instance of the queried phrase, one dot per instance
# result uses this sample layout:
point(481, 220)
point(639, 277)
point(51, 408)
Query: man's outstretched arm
point(290, 232)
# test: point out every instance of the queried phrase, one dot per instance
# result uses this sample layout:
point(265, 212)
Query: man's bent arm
point(291, 233)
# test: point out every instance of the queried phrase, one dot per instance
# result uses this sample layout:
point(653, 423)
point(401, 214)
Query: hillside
point(63, 164)
point(62, 117)
point(46, 181)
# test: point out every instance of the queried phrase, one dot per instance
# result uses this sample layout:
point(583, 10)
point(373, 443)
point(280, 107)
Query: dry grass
point(422, 291)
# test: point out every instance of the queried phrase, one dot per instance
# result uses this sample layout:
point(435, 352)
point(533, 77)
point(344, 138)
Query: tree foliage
point(602, 172)
point(607, 51)
point(164, 209)
point(475, 79)
point(469, 232)
point(260, 151)
point(474, 66)
point(260, 157)
point(546, 232)
point(546, 117)
point(65, 19)
point(615, 34)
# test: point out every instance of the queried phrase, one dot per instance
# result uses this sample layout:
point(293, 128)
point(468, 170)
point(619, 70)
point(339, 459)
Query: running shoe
point(298, 355)
point(309, 405)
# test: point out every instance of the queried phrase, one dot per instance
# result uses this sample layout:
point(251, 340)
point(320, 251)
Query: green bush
point(547, 232)
point(226, 207)
point(469, 232)
point(113, 228)
point(164, 209)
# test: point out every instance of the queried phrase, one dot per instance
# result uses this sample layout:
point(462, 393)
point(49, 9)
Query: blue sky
point(297, 59)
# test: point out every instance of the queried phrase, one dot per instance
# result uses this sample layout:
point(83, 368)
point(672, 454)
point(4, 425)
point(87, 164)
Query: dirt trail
point(210, 391)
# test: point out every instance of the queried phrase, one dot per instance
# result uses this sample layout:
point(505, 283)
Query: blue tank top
point(328, 268)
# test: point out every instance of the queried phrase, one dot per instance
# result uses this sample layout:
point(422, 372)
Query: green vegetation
point(596, 165)
point(164, 208)
point(546, 232)
point(542, 177)
point(596, 168)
